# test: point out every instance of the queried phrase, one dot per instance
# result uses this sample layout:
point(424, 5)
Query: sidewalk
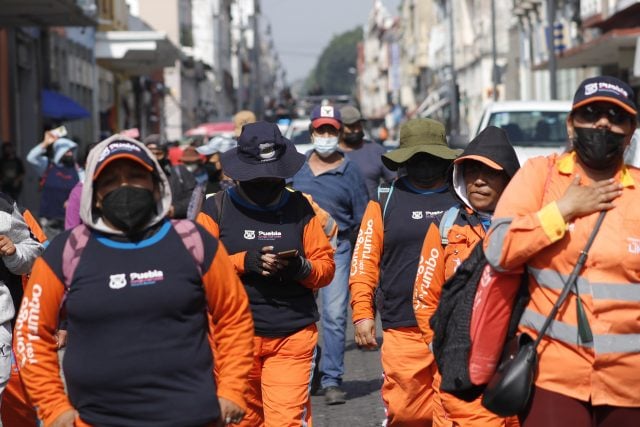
point(362, 382)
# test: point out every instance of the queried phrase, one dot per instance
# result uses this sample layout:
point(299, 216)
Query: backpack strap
point(218, 200)
point(446, 222)
point(73, 248)
point(192, 240)
point(195, 202)
point(384, 194)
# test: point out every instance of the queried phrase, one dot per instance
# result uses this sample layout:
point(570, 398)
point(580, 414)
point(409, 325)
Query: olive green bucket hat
point(420, 136)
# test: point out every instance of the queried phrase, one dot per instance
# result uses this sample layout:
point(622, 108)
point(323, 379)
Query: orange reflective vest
point(526, 231)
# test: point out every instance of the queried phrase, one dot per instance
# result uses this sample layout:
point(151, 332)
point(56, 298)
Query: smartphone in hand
point(59, 132)
point(292, 253)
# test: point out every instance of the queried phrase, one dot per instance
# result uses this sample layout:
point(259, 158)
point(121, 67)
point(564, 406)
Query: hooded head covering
point(120, 146)
point(61, 146)
point(491, 147)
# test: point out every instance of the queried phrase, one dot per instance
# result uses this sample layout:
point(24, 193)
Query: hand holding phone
point(59, 132)
point(292, 253)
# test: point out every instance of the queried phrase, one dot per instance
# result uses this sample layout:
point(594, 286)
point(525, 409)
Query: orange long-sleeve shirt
point(437, 264)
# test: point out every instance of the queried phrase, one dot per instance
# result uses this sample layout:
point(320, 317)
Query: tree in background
point(335, 71)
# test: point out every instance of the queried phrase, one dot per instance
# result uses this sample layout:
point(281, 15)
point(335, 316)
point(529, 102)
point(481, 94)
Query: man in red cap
point(336, 185)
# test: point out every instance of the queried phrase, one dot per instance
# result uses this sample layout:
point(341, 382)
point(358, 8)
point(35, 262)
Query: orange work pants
point(449, 411)
point(409, 366)
point(279, 381)
point(17, 410)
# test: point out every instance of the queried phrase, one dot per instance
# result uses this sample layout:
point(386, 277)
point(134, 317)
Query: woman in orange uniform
point(478, 178)
point(280, 251)
point(581, 381)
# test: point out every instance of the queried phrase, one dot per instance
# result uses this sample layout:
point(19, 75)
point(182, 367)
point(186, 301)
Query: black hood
point(493, 144)
point(491, 147)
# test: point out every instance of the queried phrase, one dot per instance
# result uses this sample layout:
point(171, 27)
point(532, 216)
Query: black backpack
point(452, 321)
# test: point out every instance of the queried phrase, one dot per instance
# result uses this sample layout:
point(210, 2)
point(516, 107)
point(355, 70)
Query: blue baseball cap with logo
point(605, 89)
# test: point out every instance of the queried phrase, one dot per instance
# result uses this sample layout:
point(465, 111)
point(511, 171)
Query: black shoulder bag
point(509, 391)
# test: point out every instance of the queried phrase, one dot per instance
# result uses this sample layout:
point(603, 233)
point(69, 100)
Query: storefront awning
point(47, 13)
point(135, 52)
point(62, 108)
point(614, 47)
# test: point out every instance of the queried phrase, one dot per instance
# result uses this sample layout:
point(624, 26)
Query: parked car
point(298, 133)
point(535, 128)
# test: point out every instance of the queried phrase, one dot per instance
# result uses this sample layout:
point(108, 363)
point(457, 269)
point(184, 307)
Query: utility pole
point(551, 19)
point(494, 52)
point(455, 109)
point(255, 65)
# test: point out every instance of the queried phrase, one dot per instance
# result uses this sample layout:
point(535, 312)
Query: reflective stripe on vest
point(566, 333)
point(550, 279)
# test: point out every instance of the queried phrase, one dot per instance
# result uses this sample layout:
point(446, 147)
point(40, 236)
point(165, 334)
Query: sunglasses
point(592, 113)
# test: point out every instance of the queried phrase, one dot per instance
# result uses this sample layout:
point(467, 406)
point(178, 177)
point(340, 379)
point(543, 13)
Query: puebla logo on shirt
point(117, 281)
point(633, 245)
point(262, 235)
point(269, 235)
point(149, 277)
point(416, 215)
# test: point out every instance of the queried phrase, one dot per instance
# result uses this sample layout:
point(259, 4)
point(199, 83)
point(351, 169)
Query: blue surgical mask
point(325, 146)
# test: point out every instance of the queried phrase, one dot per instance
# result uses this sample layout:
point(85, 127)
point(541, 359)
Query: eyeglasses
point(592, 113)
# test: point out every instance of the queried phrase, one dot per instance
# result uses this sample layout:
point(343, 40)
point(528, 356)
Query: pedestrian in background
point(541, 224)
point(241, 118)
point(139, 319)
point(364, 153)
point(11, 171)
point(477, 179)
point(193, 162)
point(335, 184)
point(385, 263)
point(181, 181)
point(212, 150)
point(72, 205)
point(280, 251)
point(58, 176)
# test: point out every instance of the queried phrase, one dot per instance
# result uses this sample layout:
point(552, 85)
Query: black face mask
point(129, 208)
point(263, 192)
point(212, 172)
point(67, 161)
point(353, 138)
point(427, 171)
point(599, 149)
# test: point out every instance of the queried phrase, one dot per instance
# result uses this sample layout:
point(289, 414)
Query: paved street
point(362, 381)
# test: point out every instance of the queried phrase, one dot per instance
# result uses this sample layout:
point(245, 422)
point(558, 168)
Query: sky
point(301, 29)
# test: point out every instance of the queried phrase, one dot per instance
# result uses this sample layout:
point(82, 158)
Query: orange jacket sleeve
point(319, 253)
point(34, 226)
point(212, 227)
point(329, 225)
point(429, 280)
point(231, 327)
point(365, 264)
point(35, 344)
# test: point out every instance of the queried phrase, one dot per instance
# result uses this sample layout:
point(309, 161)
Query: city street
point(362, 382)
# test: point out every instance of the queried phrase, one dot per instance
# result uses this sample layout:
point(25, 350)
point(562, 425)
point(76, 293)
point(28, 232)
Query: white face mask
point(325, 146)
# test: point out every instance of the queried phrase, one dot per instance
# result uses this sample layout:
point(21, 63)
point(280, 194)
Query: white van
point(535, 128)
